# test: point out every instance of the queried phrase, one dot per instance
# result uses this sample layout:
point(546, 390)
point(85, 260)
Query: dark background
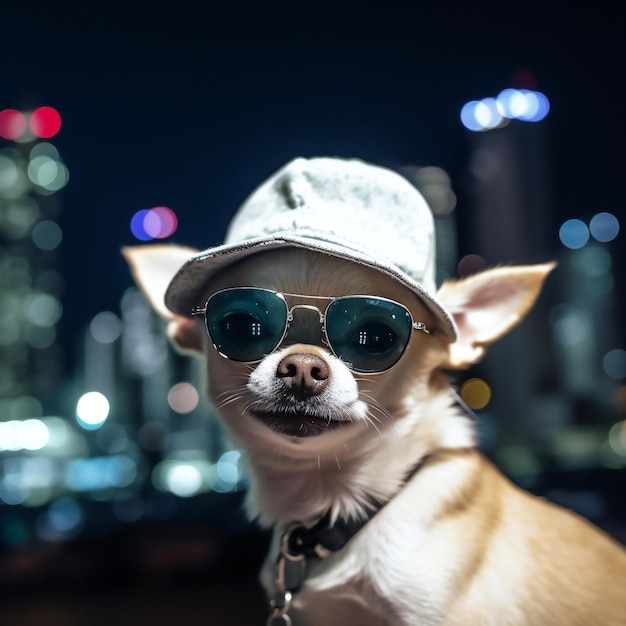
point(191, 105)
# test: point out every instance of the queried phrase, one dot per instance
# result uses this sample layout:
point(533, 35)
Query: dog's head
point(324, 338)
point(296, 362)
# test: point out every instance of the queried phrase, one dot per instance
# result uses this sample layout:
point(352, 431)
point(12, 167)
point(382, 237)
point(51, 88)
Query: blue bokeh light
point(468, 117)
point(574, 234)
point(510, 104)
point(604, 227)
point(137, 227)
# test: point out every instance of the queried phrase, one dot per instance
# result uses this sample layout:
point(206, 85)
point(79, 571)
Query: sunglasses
point(369, 334)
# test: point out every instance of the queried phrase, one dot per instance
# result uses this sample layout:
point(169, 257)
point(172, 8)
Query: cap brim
point(186, 287)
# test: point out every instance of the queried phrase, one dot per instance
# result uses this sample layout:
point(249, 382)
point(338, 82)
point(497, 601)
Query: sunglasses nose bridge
point(304, 327)
point(308, 307)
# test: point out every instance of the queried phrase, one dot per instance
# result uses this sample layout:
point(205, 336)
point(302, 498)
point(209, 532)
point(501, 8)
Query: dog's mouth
point(294, 424)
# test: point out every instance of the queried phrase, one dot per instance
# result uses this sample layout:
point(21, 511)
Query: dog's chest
point(383, 576)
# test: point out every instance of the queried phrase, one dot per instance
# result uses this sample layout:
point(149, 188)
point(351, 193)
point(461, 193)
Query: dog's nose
point(303, 374)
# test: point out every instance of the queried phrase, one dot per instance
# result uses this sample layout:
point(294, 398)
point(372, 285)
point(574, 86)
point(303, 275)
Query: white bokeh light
point(92, 410)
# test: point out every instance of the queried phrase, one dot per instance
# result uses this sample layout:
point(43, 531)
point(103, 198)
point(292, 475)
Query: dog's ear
point(153, 267)
point(487, 305)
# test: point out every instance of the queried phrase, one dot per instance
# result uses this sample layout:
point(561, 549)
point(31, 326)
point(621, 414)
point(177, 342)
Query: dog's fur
point(458, 544)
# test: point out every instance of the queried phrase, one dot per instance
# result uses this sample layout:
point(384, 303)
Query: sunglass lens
point(246, 324)
point(370, 334)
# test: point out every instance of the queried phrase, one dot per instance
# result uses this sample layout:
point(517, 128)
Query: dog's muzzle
point(296, 402)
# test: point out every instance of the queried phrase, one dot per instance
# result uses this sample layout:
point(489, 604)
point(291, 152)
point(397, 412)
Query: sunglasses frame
point(202, 310)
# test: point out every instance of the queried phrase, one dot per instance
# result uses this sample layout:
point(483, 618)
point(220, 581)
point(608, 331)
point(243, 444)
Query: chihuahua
point(455, 542)
point(327, 349)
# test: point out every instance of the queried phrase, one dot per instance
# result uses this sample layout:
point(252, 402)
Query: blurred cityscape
point(126, 446)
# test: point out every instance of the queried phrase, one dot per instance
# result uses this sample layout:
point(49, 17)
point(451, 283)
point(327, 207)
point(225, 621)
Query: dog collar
point(299, 544)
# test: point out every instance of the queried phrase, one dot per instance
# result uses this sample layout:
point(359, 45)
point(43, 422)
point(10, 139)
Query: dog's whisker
point(228, 392)
point(252, 403)
point(371, 414)
point(370, 422)
point(363, 380)
point(374, 406)
point(227, 401)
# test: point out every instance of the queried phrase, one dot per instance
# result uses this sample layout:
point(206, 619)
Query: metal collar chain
point(290, 574)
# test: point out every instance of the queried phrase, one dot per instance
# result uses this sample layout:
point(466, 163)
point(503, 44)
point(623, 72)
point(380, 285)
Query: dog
point(329, 367)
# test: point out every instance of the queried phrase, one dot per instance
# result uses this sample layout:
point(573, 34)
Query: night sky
point(191, 105)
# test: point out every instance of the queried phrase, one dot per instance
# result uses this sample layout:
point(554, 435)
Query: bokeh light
point(157, 223)
point(64, 514)
point(13, 181)
point(468, 116)
point(604, 227)
point(571, 326)
point(100, 472)
point(470, 264)
point(574, 234)
point(45, 148)
point(45, 122)
point(105, 327)
point(61, 521)
point(184, 480)
point(161, 222)
point(48, 174)
point(511, 104)
point(30, 434)
point(487, 114)
point(227, 472)
point(594, 261)
point(523, 104)
point(435, 185)
point(12, 124)
point(183, 398)
point(476, 393)
point(184, 477)
point(136, 225)
point(42, 309)
point(617, 438)
point(614, 363)
point(19, 216)
point(42, 170)
point(47, 235)
point(92, 410)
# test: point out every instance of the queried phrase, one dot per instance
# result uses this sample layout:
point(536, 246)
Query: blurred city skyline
point(192, 107)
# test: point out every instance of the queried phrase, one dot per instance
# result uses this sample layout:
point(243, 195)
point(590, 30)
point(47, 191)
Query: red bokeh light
point(161, 222)
point(12, 124)
point(45, 122)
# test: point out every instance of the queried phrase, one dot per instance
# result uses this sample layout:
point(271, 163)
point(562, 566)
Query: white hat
point(345, 208)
